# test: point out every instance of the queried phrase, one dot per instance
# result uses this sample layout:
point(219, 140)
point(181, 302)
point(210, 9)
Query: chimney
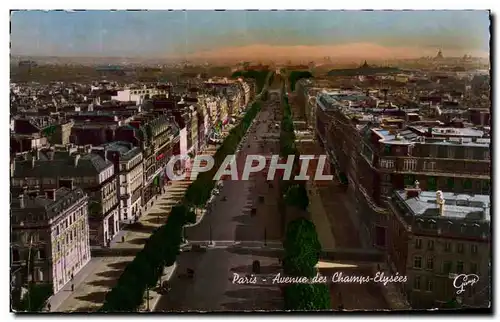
point(412, 193)
point(440, 202)
point(76, 159)
point(50, 194)
point(21, 201)
point(51, 153)
point(485, 210)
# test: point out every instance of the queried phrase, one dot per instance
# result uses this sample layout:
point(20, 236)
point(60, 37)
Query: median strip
point(163, 246)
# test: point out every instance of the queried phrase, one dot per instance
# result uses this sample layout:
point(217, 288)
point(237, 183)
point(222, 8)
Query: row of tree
point(198, 193)
point(160, 251)
point(302, 251)
point(302, 246)
point(163, 246)
point(296, 75)
point(260, 77)
point(287, 135)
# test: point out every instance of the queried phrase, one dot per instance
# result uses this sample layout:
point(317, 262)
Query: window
point(473, 249)
point(387, 164)
point(447, 267)
point(467, 184)
point(429, 165)
point(450, 183)
point(418, 243)
point(433, 150)
point(447, 247)
point(431, 183)
point(409, 180)
point(451, 152)
point(485, 186)
point(486, 155)
point(473, 269)
point(410, 164)
point(460, 248)
point(41, 254)
point(417, 262)
point(430, 245)
point(469, 153)
point(430, 285)
point(39, 274)
point(460, 267)
point(430, 263)
point(15, 255)
point(416, 283)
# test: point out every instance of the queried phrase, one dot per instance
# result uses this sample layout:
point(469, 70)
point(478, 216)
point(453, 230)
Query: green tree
point(296, 196)
point(296, 75)
point(302, 248)
point(307, 297)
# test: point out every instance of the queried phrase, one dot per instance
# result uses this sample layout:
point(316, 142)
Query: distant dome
point(365, 65)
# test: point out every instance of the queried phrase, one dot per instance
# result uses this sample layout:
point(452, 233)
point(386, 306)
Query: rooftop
point(458, 206)
point(126, 150)
point(440, 136)
point(61, 164)
point(63, 199)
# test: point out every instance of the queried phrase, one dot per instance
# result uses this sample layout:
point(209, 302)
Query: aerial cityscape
point(372, 136)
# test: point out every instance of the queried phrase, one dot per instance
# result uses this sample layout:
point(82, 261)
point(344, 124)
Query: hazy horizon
point(250, 34)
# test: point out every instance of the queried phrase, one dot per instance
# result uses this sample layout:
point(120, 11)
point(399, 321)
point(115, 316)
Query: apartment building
point(435, 236)
point(49, 236)
point(157, 135)
point(128, 162)
point(373, 154)
point(246, 95)
point(70, 166)
point(139, 95)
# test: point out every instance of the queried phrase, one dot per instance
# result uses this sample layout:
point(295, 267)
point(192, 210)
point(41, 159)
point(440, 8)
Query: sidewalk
point(98, 277)
point(392, 295)
point(320, 218)
point(154, 296)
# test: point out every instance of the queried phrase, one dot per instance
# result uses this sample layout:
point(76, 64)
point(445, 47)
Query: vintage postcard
point(230, 161)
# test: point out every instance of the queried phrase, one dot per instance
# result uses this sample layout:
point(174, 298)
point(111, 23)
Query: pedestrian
point(123, 239)
point(72, 287)
point(72, 276)
point(49, 306)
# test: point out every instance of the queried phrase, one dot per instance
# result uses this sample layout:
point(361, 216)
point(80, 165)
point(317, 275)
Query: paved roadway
point(212, 288)
point(336, 208)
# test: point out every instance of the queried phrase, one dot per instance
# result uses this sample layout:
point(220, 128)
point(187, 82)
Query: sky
point(180, 33)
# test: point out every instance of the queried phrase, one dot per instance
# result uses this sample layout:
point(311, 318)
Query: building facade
point(373, 154)
point(435, 236)
point(50, 236)
point(70, 166)
point(128, 162)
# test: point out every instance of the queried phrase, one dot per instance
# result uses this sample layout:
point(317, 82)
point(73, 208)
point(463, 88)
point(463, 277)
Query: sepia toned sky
point(182, 33)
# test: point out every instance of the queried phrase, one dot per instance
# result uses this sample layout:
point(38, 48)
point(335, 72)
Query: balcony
point(124, 196)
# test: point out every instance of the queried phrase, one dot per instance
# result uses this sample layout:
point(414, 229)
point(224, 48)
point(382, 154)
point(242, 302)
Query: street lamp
point(265, 237)
point(210, 233)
